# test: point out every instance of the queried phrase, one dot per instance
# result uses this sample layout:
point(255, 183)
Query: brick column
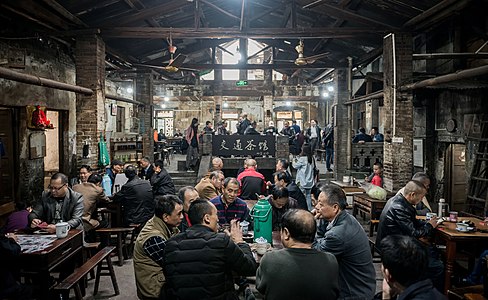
point(342, 135)
point(90, 110)
point(267, 106)
point(144, 93)
point(398, 155)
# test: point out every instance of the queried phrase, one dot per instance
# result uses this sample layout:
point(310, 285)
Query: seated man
point(281, 179)
point(59, 203)
point(423, 207)
point(251, 181)
point(280, 203)
point(150, 244)
point(229, 206)
point(200, 263)
point(147, 169)
point(117, 167)
point(399, 217)
point(361, 137)
point(136, 197)
point(345, 238)
point(92, 195)
point(404, 262)
point(292, 273)
point(211, 187)
point(187, 195)
point(161, 182)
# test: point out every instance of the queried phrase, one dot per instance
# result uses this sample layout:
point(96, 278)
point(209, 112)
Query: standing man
point(200, 263)
point(295, 127)
point(229, 206)
point(161, 181)
point(58, 204)
point(208, 129)
point(211, 187)
point(187, 195)
point(146, 168)
point(399, 217)
point(313, 135)
point(136, 197)
point(329, 146)
point(251, 181)
point(345, 238)
point(243, 124)
point(150, 244)
point(251, 129)
point(292, 273)
point(191, 136)
point(404, 263)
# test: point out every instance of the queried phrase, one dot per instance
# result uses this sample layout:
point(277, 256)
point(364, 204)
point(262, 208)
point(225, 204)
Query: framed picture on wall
point(113, 109)
point(418, 152)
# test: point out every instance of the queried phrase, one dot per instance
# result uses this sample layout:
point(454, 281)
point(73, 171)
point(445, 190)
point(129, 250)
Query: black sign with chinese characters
point(243, 145)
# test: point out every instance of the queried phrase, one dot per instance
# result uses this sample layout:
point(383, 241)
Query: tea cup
point(430, 215)
point(244, 227)
point(62, 230)
point(462, 227)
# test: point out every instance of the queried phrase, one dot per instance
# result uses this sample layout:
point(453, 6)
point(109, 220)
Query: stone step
point(182, 174)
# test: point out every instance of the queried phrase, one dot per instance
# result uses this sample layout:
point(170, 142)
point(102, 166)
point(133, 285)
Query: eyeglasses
point(53, 188)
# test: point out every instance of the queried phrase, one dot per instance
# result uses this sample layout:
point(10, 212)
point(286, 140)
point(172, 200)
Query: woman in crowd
point(304, 163)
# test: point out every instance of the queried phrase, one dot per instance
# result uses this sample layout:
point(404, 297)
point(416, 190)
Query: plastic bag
point(374, 191)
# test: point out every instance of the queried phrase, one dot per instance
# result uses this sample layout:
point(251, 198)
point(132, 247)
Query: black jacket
point(199, 264)
point(399, 217)
point(295, 192)
point(243, 126)
point(162, 184)
point(147, 175)
point(421, 290)
point(138, 201)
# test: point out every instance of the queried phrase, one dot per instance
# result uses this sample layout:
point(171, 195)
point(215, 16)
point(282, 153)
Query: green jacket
point(149, 275)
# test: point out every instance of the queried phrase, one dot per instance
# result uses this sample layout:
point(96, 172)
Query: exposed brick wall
point(342, 124)
point(144, 94)
point(90, 116)
point(398, 156)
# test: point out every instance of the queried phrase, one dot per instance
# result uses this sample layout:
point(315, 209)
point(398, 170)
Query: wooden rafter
point(221, 10)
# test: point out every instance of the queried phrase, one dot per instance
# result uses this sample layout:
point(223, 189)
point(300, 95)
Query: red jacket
point(251, 183)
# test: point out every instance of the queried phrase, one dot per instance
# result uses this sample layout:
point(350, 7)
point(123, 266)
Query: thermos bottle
point(263, 223)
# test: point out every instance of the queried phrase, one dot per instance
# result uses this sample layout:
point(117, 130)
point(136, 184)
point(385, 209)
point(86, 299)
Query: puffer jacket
point(162, 183)
point(199, 264)
point(399, 217)
point(137, 199)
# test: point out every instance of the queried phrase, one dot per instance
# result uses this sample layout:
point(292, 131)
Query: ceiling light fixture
point(129, 90)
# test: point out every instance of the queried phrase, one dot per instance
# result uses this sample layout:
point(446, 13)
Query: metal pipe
point(463, 74)
point(122, 99)
point(36, 80)
point(364, 98)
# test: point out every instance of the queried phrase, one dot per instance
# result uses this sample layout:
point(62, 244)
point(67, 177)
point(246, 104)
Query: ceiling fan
point(174, 64)
point(301, 60)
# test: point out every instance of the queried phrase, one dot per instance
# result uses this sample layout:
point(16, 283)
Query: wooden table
point(446, 233)
point(43, 262)
point(348, 188)
point(367, 205)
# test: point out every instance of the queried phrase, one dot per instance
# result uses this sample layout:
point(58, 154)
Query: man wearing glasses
point(58, 204)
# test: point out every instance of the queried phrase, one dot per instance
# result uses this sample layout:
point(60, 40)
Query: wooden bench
point(73, 280)
point(120, 232)
point(88, 251)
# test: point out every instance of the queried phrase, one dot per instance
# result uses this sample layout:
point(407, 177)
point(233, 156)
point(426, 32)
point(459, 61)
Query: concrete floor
point(125, 273)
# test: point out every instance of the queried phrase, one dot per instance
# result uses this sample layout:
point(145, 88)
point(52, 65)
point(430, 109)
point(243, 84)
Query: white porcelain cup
point(261, 248)
point(244, 227)
point(430, 215)
point(62, 230)
point(462, 227)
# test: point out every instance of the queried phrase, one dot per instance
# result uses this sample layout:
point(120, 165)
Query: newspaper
point(34, 243)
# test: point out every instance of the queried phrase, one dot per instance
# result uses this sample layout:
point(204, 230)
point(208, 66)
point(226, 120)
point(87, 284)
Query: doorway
point(52, 158)
point(456, 176)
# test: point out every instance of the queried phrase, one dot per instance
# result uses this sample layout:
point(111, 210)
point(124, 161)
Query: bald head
point(217, 164)
point(251, 163)
point(300, 224)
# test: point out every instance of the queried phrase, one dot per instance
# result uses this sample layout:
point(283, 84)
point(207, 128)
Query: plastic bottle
point(107, 185)
point(263, 220)
point(443, 208)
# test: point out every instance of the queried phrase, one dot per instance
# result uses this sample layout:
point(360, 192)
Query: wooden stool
point(73, 280)
point(88, 250)
point(119, 231)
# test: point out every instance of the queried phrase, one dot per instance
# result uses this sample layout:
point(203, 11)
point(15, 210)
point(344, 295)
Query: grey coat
point(71, 211)
point(346, 239)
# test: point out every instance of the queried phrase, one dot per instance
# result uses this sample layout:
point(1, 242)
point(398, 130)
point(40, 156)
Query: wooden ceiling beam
point(344, 14)
point(27, 16)
point(255, 33)
point(289, 66)
point(221, 10)
point(436, 14)
point(64, 12)
point(146, 13)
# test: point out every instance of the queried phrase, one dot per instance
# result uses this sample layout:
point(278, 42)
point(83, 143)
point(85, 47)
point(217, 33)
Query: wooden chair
point(121, 233)
point(73, 280)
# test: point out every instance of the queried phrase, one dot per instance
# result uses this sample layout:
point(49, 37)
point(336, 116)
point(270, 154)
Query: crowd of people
point(190, 244)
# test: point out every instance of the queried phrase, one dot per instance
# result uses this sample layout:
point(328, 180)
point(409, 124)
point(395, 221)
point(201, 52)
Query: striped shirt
point(235, 210)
